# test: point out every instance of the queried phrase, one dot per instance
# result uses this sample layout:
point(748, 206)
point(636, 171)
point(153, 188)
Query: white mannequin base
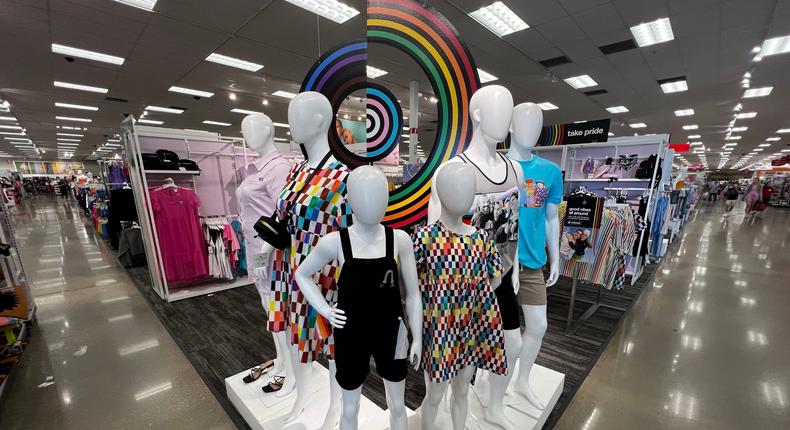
point(264, 411)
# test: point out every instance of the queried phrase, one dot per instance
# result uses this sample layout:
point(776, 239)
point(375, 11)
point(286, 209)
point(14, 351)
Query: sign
point(577, 132)
point(582, 220)
point(584, 212)
point(680, 147)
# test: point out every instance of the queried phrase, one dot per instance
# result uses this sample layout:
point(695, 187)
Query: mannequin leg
point(459, 407)
point(349, 420)
point(303, 373)
point(335, 395)
point(279, 361)
point(535, 318)
point(495, 412)
point(287, 358)
point(434, 392)
point(396, 393)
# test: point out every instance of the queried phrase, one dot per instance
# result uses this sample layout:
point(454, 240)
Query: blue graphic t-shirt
point(542, 185)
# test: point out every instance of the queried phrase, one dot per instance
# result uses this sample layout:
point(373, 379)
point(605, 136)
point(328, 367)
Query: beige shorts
point(532, 287)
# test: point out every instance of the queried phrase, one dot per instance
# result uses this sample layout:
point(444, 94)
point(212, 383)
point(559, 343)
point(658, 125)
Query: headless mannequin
point(524, 133)
point(491, 111)
point(368, 195)
point(454, 193)
point(258, 132)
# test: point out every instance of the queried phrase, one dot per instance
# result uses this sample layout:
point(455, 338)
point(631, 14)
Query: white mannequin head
point(368, 194)
point(526, 126)
point(309, 116)
point(455, 186)
point(491, 109)
point(258, 132)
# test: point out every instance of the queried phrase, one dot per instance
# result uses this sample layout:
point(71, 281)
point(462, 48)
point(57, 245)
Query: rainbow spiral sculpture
point(429, 39)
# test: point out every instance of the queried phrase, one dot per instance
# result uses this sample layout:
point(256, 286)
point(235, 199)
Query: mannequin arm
point(553, 242)
point(408, 275)
point(263, 267)
point(322, 254)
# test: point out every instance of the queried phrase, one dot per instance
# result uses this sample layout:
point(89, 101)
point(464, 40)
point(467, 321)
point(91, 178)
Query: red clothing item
point(184, 254)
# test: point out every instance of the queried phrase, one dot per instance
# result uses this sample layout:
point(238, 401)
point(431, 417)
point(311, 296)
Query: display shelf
point(174, 172)
point(194, 290)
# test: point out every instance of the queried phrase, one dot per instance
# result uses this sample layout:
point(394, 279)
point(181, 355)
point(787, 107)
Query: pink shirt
point(257, 196)
point(184, 254)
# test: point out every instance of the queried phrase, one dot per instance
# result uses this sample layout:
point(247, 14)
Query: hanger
point(126, 186)
point(169, 183)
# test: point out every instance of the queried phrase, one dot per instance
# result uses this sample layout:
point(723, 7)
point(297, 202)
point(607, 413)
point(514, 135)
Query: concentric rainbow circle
point(384, 121)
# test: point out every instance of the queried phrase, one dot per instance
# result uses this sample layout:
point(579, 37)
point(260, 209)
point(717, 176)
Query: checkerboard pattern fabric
point(462, 325)
point(311, 210)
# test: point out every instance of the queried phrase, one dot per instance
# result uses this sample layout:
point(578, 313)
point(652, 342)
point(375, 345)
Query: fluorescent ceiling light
point(581, 81)
point(234, 62)
point(674, 86)
point(764, 145)
point(694, 136)
point(781, 130)
point(223, 124)
point(485, 76)
point(11, 127)
point(7, 118)
point(24, 139)
point(374, 72)
point(79, 87)
point(758, 150)
point(690, 127)
point(164, 109)
point(189, 91)
point(286, 94)
point(71, 134)
point(88, 55)
point(71, 127)
point(71, 118)
point(140, 4)
point(617, 109)
point(78, 107)
point(776, 45)
point(150, 121)
point(684, 112)
point(757, 92)
point(739, 129)
point(547, 106)
point(732, 138)
point(63, 139)
point(746, 115)
point(332, 10)
point(695, 143)
point(637, 125)
point(281, 124)
point(245, 111)
point(730, 144)
point(653, 32)
point(8, 133)
point(498, 18)
point(773, 139)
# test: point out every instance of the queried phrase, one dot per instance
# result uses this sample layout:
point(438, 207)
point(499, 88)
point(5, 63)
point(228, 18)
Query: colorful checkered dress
point(462, 325)
point(311, 212)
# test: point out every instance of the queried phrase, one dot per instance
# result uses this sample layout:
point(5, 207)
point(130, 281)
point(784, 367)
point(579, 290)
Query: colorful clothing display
point(311, 211)
point(542, 185)
point(462, 325)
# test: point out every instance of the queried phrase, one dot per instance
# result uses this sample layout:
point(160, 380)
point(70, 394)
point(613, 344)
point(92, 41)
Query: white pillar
point(414, 114)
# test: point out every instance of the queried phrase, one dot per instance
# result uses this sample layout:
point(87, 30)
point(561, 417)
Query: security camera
point(69, 59)
point(196, 97)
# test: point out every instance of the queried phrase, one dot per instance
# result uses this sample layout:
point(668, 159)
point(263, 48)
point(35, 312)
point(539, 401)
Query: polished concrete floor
point(706, 347)
point(112, 363)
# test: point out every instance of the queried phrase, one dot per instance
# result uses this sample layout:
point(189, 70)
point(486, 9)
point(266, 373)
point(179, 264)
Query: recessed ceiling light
point(232, 96)
point(11, 127)
point(581, 81)
point(71, 118)
point(140, 4)
point(781, 130)
point(485, 76)
point(286, 94)
point(690, 127)
point(150, 121)
point(637, 125)
point(617, 109)
point(280, 124)
point(498, 18)
point(79, 87)
point(746, 115)
point(71, 134)
point(245, 111)
point(764, 145)
point(8, 133)
point(773, 139)
point(757, 92)
point(78, 107)
point(684, 112)
point(222, 124)
point(374, 72)
point(330, 9)
point(739, 129)
point(694, 136)
point(547, 106)
point(695, 143)
point(164, 109)
point(88, 55)
point(234, 62)
point(732, 138)
point(23, 139)
point(730, 144)
point(64, 139)
point(758, 149)
point(674, 86)
point(190, 91)
point(7, 118)
point(776, 45)
point(651, 33)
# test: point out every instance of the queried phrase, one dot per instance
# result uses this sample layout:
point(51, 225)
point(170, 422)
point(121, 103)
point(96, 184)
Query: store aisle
point(704, 347)
point(112, 362)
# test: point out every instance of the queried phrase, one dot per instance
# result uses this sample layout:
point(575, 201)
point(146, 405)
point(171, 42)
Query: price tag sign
point(260, 259)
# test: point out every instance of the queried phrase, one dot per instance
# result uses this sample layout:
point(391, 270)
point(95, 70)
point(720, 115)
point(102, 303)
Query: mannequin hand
point(415, 352)
point(554, 275)
point(337, 317)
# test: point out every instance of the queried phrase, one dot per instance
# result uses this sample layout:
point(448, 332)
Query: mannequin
point(368, 195)
point(257, 195)
point(311, 211)
point(498, 180)
point(545, 177)
point(455, 193)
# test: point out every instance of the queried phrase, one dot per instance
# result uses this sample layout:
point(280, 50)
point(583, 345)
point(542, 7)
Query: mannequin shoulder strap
point(390, 242)
point(345, 242)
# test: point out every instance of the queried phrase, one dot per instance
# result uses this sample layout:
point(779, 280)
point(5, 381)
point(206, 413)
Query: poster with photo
point(582, 221)
point(497, 214)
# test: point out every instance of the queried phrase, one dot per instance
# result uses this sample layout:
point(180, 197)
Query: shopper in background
point(713, 191)
point(752, 195)
point(731, 194)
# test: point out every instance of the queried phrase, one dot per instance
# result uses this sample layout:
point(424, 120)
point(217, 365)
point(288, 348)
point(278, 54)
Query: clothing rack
point(572, 326)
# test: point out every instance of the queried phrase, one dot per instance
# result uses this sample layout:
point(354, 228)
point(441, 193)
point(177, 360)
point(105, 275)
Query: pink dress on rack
point(184, 254)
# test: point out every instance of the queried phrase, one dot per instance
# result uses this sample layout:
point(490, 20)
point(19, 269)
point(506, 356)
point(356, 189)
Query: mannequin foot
point(278, 368)
point(526, 391)
point(496, 415)
point(332, 417)
point(288, 386)
point(294, 414)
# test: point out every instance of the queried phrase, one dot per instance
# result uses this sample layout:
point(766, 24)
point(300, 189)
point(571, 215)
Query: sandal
point(257, 371)
point(276, 384)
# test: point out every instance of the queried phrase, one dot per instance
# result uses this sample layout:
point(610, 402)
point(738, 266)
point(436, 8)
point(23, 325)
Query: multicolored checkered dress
point(462, 325)
point(311, 211)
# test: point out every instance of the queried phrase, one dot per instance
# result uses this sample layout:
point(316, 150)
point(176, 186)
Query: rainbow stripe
point(551, 135)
